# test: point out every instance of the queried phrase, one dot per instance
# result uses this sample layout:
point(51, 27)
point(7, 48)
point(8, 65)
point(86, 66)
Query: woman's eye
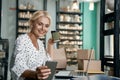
point(39, 23)
point(47, 26)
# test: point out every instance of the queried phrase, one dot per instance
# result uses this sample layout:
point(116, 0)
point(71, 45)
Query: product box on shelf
point(2, 54)
point(84, 54)
point(94, 65)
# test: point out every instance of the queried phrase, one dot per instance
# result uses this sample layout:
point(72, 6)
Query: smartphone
point(55, 36)
point(51, 65)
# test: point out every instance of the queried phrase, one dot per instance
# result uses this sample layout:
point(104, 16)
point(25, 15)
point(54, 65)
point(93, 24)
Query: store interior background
point(91, 23)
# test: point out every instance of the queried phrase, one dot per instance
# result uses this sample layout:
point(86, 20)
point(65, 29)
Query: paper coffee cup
point(55, 36)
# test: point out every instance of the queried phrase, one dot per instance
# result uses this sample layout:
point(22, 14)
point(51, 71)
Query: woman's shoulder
point(22, 37)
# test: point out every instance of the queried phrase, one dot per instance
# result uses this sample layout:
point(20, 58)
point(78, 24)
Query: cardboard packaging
point(60, 56)
point(94, 65)
point(84, 54)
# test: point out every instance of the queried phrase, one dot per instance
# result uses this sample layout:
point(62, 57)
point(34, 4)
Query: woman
point(30, 55)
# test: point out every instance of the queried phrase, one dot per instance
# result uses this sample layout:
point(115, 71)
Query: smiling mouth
point(41, 32)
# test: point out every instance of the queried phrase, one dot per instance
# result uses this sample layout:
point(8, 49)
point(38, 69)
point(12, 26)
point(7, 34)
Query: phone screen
point(52, 65)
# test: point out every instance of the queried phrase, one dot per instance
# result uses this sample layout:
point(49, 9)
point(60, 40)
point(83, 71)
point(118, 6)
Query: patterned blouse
point(26, 56)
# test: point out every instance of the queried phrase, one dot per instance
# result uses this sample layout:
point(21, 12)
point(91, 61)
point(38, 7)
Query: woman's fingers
point(43, 69)
point(51, 41)
point(43, 72)
point(45, 77)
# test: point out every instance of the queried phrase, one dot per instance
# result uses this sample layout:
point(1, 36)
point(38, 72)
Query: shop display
point(110, 36)
point(69, 25)
point(24, 13)
point(4, 50)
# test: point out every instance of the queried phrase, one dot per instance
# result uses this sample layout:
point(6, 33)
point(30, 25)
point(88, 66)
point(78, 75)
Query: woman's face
point(40, 26)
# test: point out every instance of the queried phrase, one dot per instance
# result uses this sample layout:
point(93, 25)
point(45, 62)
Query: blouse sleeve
point(20, 59)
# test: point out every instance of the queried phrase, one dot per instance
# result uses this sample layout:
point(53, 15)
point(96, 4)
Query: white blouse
point(26, 56)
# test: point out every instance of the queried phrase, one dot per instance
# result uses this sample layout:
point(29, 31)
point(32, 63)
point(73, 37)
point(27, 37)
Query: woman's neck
point(32, 36)
point(34, 40)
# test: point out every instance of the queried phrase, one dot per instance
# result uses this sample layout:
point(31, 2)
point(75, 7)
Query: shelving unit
point(69, 25)
point(4, 50)
point(0, 12)
point(111, 61)
point(23, 13)
point(4, 58)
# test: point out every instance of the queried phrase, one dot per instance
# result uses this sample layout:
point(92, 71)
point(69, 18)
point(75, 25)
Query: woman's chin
point(41, 35)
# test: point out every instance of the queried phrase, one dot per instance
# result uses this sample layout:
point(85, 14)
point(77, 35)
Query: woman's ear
point(32, 24)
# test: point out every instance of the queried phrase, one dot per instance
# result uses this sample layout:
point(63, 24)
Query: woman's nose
point(43, 27)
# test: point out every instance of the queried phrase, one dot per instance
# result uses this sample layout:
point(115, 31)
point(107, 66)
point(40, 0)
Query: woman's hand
point(50, 41)
point(43, 72)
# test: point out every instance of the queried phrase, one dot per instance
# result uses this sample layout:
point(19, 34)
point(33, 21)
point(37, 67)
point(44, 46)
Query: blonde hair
point(37, 15)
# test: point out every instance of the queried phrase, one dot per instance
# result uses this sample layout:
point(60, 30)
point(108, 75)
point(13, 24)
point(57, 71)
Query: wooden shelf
point(26, 10)
point(72, 13)
point(65, 22)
